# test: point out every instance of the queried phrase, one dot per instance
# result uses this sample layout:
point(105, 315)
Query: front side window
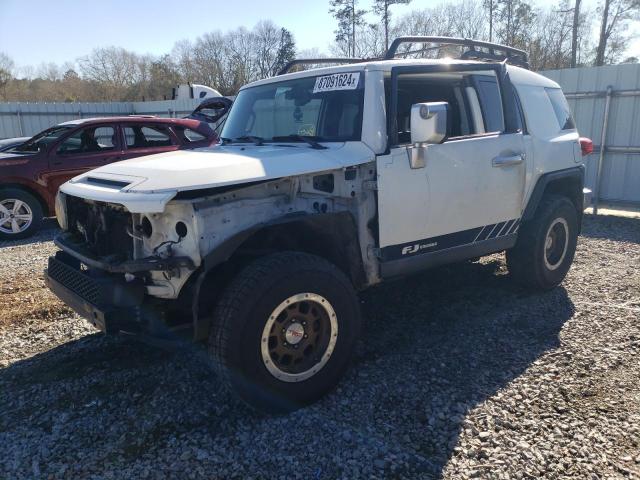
point(88, 140)
point(326, 107)
point(138, 136)
point(561, 108)
point(474, 99)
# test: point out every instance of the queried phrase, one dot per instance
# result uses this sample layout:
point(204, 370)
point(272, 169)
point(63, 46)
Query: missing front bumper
point(66, 242)
point(108, 302)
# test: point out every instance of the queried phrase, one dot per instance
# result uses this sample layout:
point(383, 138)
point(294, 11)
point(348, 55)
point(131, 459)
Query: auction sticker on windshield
point(337, 81)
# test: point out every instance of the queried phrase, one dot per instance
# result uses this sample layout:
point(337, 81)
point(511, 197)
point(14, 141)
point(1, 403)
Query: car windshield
point(325, 108)
point(42, 139)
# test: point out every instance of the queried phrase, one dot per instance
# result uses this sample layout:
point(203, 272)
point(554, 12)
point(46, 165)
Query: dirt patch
point(28, 298)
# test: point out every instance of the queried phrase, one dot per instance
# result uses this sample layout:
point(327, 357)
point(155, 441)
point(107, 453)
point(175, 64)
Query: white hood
point(148, 183)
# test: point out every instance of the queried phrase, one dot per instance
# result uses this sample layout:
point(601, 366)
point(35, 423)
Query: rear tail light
point(586, 145)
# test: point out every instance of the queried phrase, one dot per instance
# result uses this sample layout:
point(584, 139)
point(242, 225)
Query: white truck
point(187, 91)
point(327, 181)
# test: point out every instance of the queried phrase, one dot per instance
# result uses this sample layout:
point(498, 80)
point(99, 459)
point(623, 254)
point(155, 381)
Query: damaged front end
point(108, 267)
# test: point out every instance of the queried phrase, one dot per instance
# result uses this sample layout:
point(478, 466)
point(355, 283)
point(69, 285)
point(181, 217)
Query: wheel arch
point(332, 236)
point(31, 190)
point(568, 183)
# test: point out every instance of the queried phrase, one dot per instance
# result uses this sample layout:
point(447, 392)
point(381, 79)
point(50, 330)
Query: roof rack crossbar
point(495, 51)
point(315, 61)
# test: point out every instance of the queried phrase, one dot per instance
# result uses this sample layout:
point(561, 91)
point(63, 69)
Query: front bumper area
point(107, 301)
point(67, 243)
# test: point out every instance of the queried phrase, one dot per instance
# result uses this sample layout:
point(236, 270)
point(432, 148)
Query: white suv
point(327, 181)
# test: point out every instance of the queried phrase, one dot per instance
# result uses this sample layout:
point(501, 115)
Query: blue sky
point(37, 31)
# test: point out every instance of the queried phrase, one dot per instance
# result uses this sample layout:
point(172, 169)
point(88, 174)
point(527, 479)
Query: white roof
point(518, 75)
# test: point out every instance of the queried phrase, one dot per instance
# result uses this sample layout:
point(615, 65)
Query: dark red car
point(31, 173)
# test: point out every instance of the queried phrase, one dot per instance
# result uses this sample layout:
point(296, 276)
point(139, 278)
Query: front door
point(467, 199)
point(85, 149)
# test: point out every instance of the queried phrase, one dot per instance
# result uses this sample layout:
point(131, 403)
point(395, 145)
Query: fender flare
point(573, 173)
point(228, 247)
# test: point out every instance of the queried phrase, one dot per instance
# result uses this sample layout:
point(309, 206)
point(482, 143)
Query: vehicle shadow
point(435, 346)
point(610, 227)
point(48, 229)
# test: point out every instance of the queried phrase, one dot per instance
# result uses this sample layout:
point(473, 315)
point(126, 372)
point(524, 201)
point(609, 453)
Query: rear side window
point(561, 108)
point(490, 102)
point(146, 137)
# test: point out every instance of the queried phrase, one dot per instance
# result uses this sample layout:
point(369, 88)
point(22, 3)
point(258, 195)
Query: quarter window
point(561, 108)
point(189, 135)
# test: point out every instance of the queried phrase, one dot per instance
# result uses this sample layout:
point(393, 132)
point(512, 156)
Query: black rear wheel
point(284, 330)
point(546, 245)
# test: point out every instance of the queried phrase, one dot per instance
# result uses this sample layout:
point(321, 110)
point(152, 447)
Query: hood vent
point(105, 182)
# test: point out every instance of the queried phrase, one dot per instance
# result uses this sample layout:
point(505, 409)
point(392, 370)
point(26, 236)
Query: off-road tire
point(240, 320)
point(34, 207)
point(526, 261)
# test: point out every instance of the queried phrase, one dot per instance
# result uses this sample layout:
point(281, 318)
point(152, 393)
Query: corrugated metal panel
point(620, 180)
point(19, 119)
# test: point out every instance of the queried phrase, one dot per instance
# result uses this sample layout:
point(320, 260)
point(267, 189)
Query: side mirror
point(428, 125)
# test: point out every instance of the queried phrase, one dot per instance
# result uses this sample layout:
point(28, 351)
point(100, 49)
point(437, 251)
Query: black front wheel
point(284, 330)
point(546, 245)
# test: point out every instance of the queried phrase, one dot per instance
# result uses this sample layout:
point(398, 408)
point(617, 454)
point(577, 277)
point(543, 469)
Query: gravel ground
point(460, 374)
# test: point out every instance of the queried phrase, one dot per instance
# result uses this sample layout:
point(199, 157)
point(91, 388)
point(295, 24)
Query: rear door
point(145, 139)
point(466, 201)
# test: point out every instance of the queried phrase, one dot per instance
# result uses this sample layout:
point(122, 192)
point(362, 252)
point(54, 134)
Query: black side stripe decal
point(455, 239)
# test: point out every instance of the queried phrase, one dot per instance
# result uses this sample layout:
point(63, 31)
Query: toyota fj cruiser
point(327, 181)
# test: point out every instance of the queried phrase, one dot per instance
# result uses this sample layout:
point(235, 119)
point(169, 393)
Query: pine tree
point(286, 50)
point(381, 8)
point(349, 17)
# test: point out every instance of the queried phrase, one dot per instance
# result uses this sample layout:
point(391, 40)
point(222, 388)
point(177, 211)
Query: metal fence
point(21, 119)
point(606, 106)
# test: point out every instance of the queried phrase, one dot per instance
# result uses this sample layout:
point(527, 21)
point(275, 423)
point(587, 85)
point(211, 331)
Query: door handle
point(506, 160)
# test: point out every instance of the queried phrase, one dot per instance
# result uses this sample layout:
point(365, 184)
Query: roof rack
point(477, 50)
point(315, 61)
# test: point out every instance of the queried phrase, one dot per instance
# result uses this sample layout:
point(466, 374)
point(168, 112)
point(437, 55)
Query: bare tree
point(114, 69)
point(574, 33)
point(6, 72)
point(615, 16)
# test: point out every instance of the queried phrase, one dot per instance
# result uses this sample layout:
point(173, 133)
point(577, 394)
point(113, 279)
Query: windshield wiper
point(310, 139)
point(250, 138)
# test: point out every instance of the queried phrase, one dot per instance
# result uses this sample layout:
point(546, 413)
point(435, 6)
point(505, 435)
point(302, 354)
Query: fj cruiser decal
point(450, 240)
point(417, 247)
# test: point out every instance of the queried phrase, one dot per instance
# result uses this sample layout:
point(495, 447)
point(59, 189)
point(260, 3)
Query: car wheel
point(546, 245)
point(284, 330)
point(20, 214)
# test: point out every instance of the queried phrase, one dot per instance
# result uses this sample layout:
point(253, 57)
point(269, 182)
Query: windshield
point(42, 139)
point(327, 108)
